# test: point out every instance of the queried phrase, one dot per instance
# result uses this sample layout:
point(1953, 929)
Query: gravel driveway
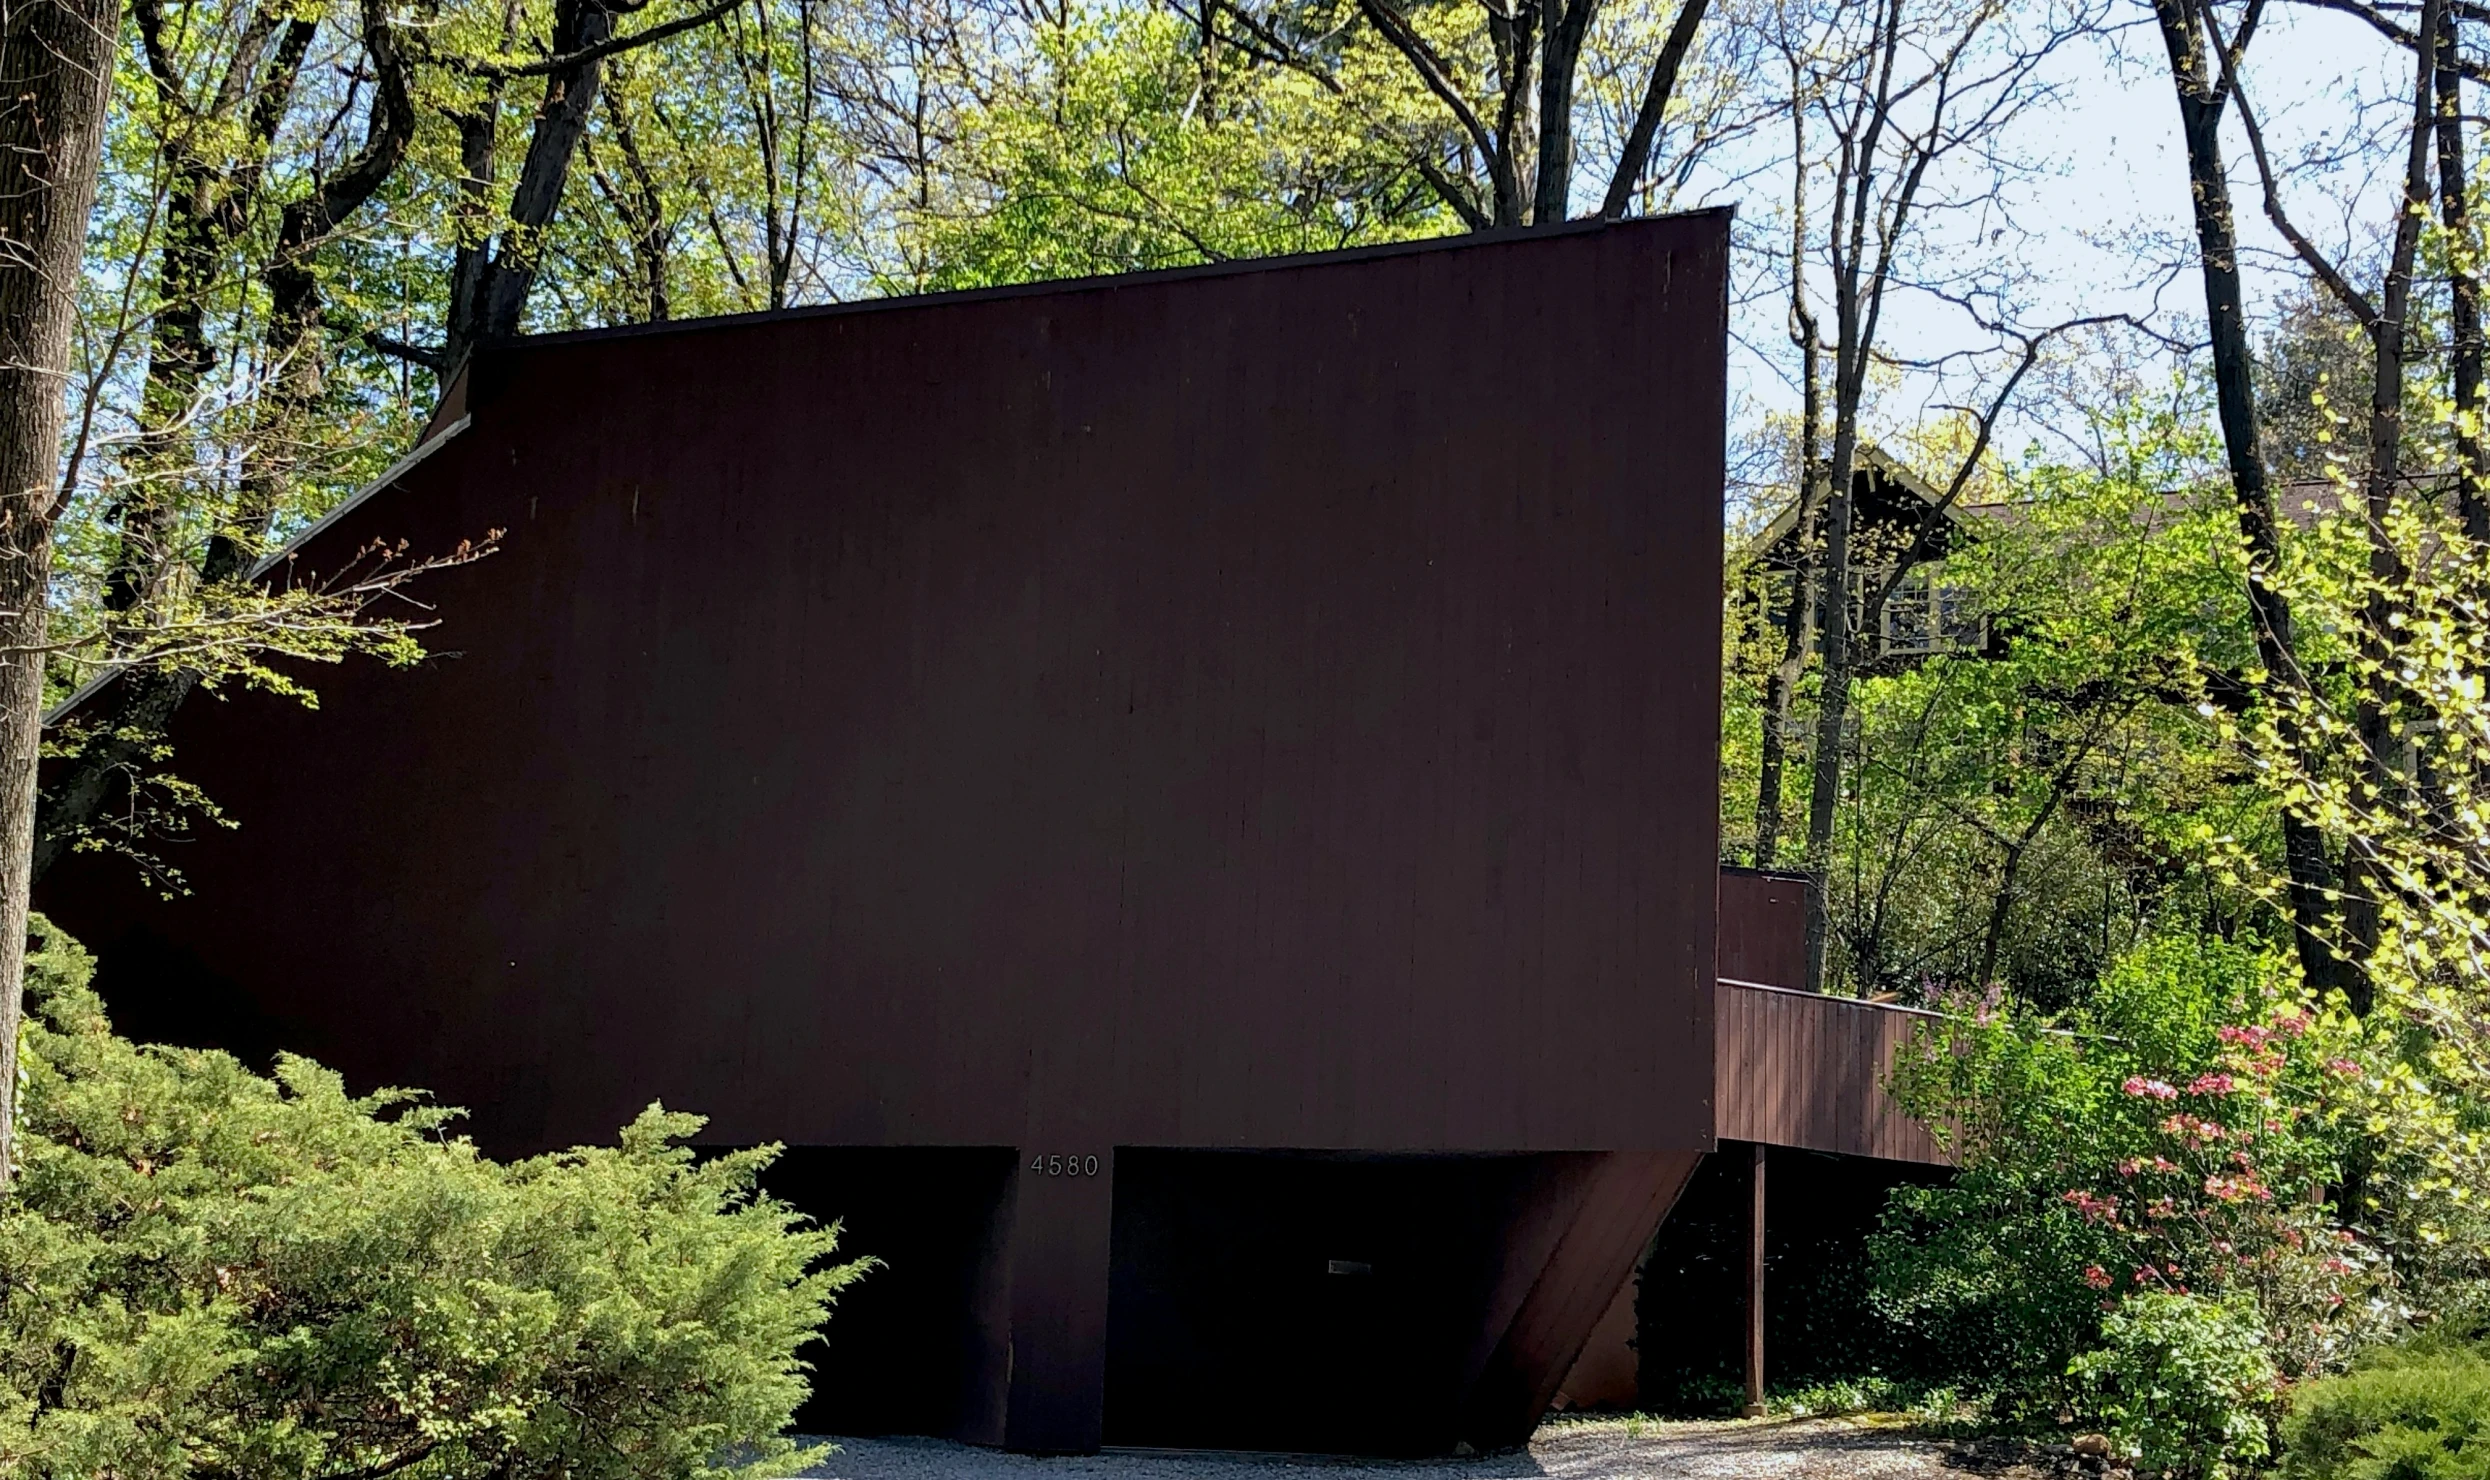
point(1812, 1449)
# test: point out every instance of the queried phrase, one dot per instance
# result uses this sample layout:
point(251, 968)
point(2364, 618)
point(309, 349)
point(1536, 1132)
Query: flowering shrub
point(2224, 1189)
point(2177, 1137)
point(2180, 1383)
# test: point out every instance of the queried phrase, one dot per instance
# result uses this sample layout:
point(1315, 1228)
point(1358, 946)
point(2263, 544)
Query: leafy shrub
point(206, 1272)
point(2181, 1383)
point(2422, 1413)
point(2179, 1134)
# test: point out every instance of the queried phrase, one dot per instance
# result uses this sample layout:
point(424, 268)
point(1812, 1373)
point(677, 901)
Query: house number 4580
point(1064, 1166)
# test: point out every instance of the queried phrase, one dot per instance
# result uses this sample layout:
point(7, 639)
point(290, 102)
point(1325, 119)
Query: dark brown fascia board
point(1105, 281)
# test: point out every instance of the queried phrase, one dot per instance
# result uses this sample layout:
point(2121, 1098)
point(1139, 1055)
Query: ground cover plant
point(2419, 1410)
point(210, 1272)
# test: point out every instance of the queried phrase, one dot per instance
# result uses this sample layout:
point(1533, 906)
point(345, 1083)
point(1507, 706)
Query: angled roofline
point(1096, 282)
point(433, 440)
point(1878, 460)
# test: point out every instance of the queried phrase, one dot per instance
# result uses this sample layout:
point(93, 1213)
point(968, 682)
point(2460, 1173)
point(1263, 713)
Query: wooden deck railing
point(1802, 1069)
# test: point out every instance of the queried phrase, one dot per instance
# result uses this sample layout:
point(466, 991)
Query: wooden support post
point(1755, 1289)
point(1061, 1220)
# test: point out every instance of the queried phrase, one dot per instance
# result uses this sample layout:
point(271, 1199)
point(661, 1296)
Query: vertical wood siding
point(1799, 1069)
point(1763, 928)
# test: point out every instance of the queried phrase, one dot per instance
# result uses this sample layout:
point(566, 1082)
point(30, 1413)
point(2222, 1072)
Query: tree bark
point(144, 701)
point(1799, 638)
point(1833, 706)
point(2380, 751)
point(1654, 108)
point(1561, 30)
point(570, 100)
point(206, 210)
point(2202, 98)
point(2463, 286)
point(56, 62)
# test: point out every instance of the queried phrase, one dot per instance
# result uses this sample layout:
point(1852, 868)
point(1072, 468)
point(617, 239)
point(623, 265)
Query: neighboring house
point(1188, 802)
point(1925, 615)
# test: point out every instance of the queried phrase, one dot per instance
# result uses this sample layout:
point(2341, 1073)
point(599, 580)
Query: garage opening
point(910, 1348)
point(1302, 1301)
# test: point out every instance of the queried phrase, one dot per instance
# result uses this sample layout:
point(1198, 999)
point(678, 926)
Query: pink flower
point(2212, 1084)
point(2144, 1088)
point(2344, 1067)
point(2195, 1130)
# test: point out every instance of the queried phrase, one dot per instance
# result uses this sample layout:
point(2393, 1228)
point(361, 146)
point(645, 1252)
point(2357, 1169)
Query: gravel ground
point(1813, 1449)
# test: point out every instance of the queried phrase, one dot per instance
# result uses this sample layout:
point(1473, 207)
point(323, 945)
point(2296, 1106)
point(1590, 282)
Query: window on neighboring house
point(1924, 615)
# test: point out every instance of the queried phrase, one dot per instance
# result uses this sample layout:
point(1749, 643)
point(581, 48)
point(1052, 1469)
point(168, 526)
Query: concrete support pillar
point(1061, 1218)
point(1755, 1288)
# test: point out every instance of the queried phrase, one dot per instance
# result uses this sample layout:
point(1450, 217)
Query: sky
point(2100, 222)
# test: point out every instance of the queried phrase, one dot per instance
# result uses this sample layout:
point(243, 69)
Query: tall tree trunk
point(56, 62)
point(144, 701)
point(1562, 27)
point(207, 208)
point(2380, 750)
point(1798, 639)
point(1833, 702)
point(1627, 178)
point(1862, 259)
point(471, 213)
point(2202, 98)
point(570, 100)
point(2463, 285)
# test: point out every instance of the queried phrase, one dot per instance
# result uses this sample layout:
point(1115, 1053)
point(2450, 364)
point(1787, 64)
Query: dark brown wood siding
point(1763, 928)
point(1264, 707)
point(1800, 1069)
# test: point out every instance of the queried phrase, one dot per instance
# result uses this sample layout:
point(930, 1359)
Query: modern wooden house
point(1188, 801)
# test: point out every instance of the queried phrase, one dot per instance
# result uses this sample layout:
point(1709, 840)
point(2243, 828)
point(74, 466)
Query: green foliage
point(2181, 1383)
point(207, 1272)
point(2030, 812)
point(2176, 1136)
point(2422, 1413)
point(1127, 151)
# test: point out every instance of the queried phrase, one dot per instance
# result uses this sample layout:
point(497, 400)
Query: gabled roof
point(1879, 468)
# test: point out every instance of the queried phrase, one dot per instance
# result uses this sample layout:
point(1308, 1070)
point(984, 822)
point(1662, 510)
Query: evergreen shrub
point(209, 1272)
point(2419, 1412)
